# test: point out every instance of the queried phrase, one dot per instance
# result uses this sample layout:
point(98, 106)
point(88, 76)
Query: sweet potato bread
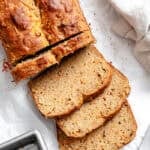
point(63, 88)
point(30, 26)
point(61, 19)
point(32, 67)
point(20, 29)
point(95, 113)
point(112, 136)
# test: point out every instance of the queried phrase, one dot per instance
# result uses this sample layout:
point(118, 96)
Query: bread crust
point(20, 29)
point(29, 26)
point(53, 56)
point(61, 19)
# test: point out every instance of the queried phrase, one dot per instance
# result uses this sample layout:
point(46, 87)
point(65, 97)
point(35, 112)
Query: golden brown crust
point(61, 19)
point(34, 66)
point(28, 26)
point(21, 31)
point(73, 44)
point(85, 124)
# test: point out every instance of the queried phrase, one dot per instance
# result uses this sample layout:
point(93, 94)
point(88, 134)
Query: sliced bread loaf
point(63, 88)
point(21, 30)
point(93, 114)
point(35, 65)
point(112, 136)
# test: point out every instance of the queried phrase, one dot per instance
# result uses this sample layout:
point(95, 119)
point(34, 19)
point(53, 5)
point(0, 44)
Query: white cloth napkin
point(134, 23)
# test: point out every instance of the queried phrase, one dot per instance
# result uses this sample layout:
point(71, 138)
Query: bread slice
point(61, 19)
point(93, 114)
point(34, 66)
point(112, 136)
point(21, 29)
point(63, 88)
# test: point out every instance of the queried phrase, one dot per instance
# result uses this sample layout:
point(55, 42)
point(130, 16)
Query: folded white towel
point(134, 24)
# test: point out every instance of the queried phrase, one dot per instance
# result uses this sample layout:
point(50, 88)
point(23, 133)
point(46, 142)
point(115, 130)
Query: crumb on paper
point(6, 66)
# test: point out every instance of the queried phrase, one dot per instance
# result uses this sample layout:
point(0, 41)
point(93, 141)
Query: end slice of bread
point(64, 88)
point(112, 136)
point(37, 64)
point(95, 113)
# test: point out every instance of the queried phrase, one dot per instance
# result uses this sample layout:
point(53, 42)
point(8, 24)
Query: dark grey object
point(29, 141)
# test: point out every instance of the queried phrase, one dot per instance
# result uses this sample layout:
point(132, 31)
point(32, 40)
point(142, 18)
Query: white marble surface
point(18, 113)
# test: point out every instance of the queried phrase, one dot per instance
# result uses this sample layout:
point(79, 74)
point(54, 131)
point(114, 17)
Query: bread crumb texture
point(63, 88)
point(93, 114)
point(112, 136)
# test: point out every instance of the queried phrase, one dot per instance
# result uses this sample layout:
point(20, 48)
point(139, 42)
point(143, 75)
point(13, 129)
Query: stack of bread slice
point(113, 135)
point(87, 97)
point(82, 91)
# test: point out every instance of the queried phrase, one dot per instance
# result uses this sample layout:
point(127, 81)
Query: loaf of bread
point(112, 136)
point(95, 113)
point(20, 29)
point(63, 88)
point(30, 26)
point(61, 19)
point(35, 65)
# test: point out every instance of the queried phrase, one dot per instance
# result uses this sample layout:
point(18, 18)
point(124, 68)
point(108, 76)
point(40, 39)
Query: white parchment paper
point(17, 110)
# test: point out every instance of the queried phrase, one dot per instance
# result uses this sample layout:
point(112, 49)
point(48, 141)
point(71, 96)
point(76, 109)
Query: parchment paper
point(18, 113)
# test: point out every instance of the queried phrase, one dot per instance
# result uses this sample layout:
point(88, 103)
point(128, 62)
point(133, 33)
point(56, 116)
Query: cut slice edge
point(32, 67)
point(98, 110)
point(115, 134)
point(59, 102)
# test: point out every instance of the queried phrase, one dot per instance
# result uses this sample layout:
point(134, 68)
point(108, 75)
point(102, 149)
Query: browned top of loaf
point(29, 26)
point(20, 28)
point(63, 88)
point(32, 67)
point(112, 136)
point(61, 19)
point(93, 114)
